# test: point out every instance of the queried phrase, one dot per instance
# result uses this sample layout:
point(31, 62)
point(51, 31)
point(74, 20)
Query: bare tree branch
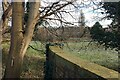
point(60, 20)
point(54, 11)
point(35, 48)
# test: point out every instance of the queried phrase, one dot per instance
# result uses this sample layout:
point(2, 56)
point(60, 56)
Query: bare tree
point(20, 37)
point(20, 41)
point(7, 10)
point(21, 34)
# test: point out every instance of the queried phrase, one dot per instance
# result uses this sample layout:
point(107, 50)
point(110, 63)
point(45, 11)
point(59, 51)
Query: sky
point(0, 10)
point(91, 16)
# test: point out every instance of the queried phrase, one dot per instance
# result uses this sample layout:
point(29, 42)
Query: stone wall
point(62, 65)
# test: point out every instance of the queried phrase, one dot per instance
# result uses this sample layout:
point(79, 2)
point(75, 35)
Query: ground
point(33, 66)
point(94, 53)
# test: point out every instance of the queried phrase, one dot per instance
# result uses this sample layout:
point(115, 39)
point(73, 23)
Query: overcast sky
point(91, 16)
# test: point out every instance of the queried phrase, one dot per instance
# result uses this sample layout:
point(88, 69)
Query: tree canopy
point(97, 32)
point(111, 37)
point(112, 9)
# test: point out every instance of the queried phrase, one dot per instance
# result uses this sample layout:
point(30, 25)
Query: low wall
point(62, 65)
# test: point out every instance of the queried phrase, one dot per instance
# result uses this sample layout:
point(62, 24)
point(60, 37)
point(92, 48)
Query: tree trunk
point(32, 19)
point(7, 12)
point(5, 6)
point(0, 32)
point(20, 41)
point(14, 58)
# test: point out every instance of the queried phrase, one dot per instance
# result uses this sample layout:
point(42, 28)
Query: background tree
point(103, 37)
point(111, 37)
point(81, 23)
point(97, 32)
point(7, 10)
point(112, 9)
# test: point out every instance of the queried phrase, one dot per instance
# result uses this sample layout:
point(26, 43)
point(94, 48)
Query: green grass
point(33, 67)
point(94, 53)
point(40, 49)
point(33, 64)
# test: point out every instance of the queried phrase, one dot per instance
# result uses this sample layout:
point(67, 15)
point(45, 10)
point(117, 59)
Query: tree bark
point(5, 5)
point(32, 20)
point(7, 12)
point(4, 20)
point(0, 32)
point(14, 58)
point(20, 41)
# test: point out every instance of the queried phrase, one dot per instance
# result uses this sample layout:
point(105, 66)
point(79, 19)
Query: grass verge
point(33, 64)
point(94, 53)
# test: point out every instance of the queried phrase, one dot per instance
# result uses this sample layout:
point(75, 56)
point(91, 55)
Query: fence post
point(48, 64)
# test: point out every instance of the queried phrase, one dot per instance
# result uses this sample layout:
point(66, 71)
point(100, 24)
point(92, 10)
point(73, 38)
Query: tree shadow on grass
point(33, 67)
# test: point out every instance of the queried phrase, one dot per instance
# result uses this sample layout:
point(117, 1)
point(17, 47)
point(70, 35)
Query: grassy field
point(33, 66)
point(93, 53)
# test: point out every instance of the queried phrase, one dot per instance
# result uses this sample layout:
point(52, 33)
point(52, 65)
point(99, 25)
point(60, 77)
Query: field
point(33, 66)
point(90, 51)
point(93, 53)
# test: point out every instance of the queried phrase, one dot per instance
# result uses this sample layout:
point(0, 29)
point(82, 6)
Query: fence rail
point(60, 64)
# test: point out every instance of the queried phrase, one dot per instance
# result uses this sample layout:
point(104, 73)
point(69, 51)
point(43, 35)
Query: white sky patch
point(89, 9)
point(91, 16)
point(110, 0)
point(1, 10)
